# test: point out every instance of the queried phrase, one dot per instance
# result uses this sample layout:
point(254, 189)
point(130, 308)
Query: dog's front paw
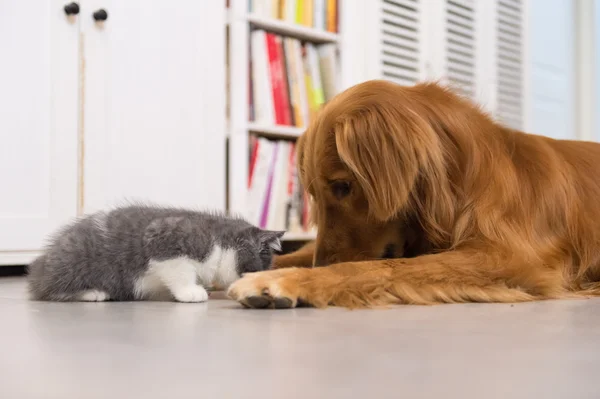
point(274, 289)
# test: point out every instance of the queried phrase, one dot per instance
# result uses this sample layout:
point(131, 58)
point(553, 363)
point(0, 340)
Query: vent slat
point(460, 45)
point(400, 47)
point(401, 23)
point(398, 62)
point(467, 60)
point(400, 12)
point(514, 5)
point(394, 50)
point(508, 13)
point(509, 63)
point(392, 31)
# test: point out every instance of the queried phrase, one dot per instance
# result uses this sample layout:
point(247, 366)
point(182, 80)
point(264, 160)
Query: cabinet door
point(154, 108)
point(38, 122)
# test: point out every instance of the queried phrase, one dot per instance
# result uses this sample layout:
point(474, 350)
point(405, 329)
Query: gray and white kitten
point(141, 252)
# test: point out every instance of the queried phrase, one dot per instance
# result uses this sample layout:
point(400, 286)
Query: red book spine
point(275, 72)
point(283, 83)
point(291, 167)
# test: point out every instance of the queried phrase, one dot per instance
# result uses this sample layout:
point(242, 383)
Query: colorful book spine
point(318, 14)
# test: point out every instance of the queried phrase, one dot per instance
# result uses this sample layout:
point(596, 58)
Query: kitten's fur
point(139, 252)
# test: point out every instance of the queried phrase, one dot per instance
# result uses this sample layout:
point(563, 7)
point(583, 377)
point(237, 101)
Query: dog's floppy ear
point(300, 151)
point(375, 146)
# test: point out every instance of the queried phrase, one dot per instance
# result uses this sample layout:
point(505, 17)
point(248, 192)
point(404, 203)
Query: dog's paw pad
point(257, 302)
point(303, 304)
point(283, 303)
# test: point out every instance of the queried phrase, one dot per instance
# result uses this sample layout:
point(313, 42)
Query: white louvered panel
point(510, 52)
point(391, 73)
point(401, 68)
point(401, 8)
point(391, 59)
point(400, 44)
point(510, 104)
point(509, 80)
point(460, 45)
point(400, 36)
point(509, 11)
point(510, 62)
point(407, 53)
point(508, 38)
point(513, 4)
point(459, 49)
point(510, 93)
point(400, 19)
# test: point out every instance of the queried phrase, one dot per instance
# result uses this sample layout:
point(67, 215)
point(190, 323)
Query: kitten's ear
point(271, 238)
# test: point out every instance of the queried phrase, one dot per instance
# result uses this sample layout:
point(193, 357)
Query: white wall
point(551, 61)
point(595, 94)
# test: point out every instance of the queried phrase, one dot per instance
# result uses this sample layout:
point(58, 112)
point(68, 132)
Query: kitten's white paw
point(192, 293)
point(93, 296)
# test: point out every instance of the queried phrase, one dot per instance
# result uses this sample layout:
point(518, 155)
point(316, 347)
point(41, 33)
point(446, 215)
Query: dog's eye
point(340, 189)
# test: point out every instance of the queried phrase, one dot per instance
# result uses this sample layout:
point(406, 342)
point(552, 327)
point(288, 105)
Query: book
point(292, 76)
point(253, 153)
point(301, 82)
point(282, 83)
point(262, 97)
point(308, 13)
point(250, 84)
point(332, 15)
point(315, 76)
point(276, 199)
point(328, 68)
point(318, 14)
point(258, 185)
point(266, 204)
point(289, 80)
point(289, 10)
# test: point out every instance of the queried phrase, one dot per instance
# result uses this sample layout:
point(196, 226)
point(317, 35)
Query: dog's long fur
point(469, 209)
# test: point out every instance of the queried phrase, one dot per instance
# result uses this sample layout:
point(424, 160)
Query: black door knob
point(100, 15)
point(72, 9)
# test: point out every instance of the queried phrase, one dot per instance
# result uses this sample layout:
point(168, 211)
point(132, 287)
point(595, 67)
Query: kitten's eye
point(340, 189)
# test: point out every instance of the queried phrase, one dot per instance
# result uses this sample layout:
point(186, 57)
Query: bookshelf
point(242, 20)
point(275, 131)
point(290, 29)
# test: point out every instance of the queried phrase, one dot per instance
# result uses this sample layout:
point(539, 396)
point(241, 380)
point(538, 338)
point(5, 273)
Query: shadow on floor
point(12, 271)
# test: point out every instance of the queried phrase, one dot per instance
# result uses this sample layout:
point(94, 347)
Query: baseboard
point(17, 258)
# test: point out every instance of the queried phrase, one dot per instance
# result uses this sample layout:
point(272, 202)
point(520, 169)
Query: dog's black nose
point(389, 251)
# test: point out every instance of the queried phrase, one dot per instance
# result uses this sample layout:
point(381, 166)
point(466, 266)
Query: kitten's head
point(256, 249)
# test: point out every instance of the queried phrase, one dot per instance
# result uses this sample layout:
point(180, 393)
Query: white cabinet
point(38, 123)
point(94, 113)
point(154, 110)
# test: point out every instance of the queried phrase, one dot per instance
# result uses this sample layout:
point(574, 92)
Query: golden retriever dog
point(419, 197)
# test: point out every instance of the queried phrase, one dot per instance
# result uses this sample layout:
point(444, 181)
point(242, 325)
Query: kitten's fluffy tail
point(35, 277)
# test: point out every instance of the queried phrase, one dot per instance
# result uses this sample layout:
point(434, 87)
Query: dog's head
point(372, 158)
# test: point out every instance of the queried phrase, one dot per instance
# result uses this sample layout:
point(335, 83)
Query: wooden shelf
point(302, 236)
point(290, 29)
point(276, 131)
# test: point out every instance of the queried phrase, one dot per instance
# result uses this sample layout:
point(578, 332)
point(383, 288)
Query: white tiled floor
point(219, 350)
